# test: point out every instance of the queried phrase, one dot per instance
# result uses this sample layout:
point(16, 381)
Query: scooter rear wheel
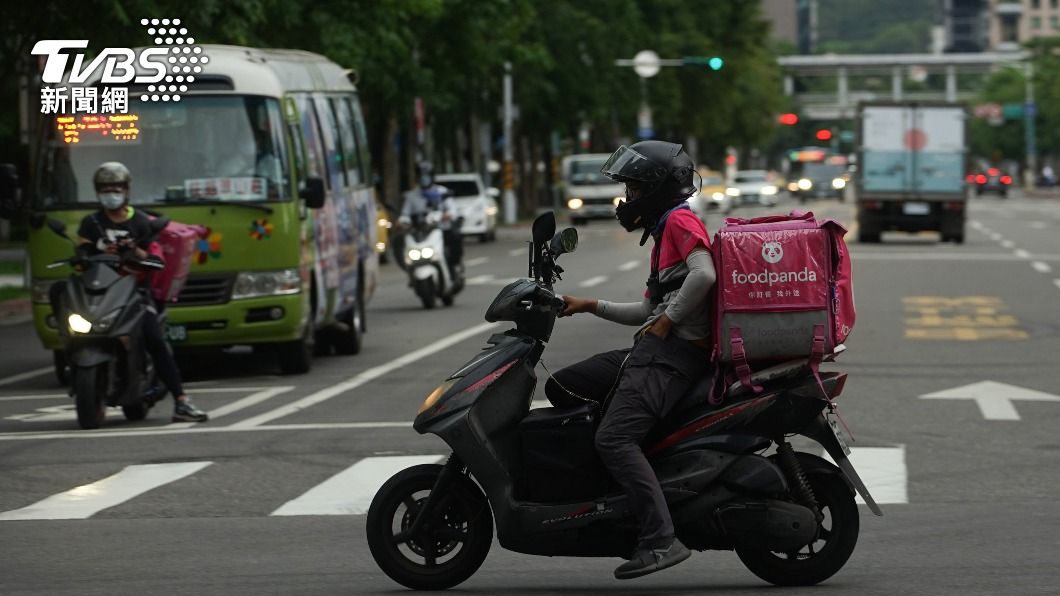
point(449, 548)
point(821, 559)
point(90, 388)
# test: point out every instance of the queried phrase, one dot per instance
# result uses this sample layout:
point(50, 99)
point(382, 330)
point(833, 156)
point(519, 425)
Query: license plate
point(916, 208)
point(837, 430)
point(175, 333)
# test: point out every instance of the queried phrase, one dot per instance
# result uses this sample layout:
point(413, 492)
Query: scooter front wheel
point(448, 548)
point(90, 387)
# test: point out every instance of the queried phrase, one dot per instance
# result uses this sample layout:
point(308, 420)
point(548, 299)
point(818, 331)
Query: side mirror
point(10, 193)
point(564, 242)
point(494, 192)
point(58, 227)
point(544, 228)
point(313, 193)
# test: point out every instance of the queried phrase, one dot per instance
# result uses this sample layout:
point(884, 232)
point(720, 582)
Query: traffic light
point(824, 134)
point(788, 119)
point(711, 62)
point(715, 63)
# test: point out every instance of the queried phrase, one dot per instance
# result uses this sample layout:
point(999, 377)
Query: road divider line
point(29, 397)
point(26, 375)
point(1022, 254)
point(1041, 267)
point(1007, 244)
point(476, 261)
point(87, 500)
point(351, 491)
point(250, 400)
point(517, 252)
point(629, 266)
point(364, 377)
point(996, 237)
point(593, 281)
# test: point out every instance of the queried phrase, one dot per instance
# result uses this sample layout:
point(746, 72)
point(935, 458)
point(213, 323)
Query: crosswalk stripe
point(87, 500)
point(883, 471)
point(350, 492)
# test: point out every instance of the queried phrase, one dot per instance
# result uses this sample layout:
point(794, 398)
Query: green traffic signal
point(715, 63)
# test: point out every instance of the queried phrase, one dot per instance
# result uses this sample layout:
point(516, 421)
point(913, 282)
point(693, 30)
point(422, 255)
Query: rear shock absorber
point(797, 478)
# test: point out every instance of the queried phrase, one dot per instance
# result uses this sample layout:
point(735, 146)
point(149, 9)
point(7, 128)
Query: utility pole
point(509, 187)
point(1030, 111)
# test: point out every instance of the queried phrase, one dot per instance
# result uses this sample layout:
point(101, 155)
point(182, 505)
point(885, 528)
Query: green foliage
point(872, 26)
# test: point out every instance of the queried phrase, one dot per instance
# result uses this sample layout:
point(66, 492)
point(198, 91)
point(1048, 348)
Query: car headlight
point(41, 290)
point(793, 186)
point(78, 324)
point(732, 192)
point(718, 196)
point(769, 190)
point(838, 183)
point(385, 223)
point(427, 252)
point(491, 210)
point(254, 284)
point(805, 184)
point(575, 204)
point(414, 254)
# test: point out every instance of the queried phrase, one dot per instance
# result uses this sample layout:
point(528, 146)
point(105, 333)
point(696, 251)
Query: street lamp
point(646, 64)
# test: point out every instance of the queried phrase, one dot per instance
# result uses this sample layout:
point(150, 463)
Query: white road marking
point(629, 266)
point(488, 280)
point(87, 500)
point(1022, 254)
point(1041, 267)
point(540, 403)
point(250, 400)
point(883, 471)
point(593, 281)
point(476, 261)
point(994, 399)
point(996, 237)
point(364, 377)
point(517, 252)
point(976, 224)
point(941, 256)
point(26, 375)
point(351, 491)
point(1007, 244)
point(28, 397)
point(1038, 225)
point(1056, 282)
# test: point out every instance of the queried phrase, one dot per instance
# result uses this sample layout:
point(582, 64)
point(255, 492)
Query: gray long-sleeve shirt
point(686, 306)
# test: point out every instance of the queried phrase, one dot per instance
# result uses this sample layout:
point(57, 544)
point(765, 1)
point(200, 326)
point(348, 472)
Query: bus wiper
point(220, 203)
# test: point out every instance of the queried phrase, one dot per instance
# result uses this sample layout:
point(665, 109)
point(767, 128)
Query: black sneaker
point(185, 411)
point(649, 560)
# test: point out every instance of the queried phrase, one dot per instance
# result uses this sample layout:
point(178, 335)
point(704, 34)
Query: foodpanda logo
point(772, 252)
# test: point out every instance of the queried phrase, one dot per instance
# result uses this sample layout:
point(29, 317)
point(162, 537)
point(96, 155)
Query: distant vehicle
point(588, 194)
point(752, 187)
point(383, 226)
point(911, 165)
point(711, 196)
point(475, 203)
point(820, 180)
point(993, 180)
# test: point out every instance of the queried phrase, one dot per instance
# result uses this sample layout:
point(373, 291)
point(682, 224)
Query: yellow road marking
point(960, 318)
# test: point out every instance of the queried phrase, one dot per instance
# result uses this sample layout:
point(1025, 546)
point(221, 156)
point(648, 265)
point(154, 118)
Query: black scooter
point(790, 516)
point(101, 330)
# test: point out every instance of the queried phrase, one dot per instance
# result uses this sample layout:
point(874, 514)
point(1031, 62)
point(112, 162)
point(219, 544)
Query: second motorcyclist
point(116, 228)
point(433, 200)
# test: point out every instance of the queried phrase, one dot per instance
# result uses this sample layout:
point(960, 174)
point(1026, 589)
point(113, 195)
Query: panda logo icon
point(772, 252)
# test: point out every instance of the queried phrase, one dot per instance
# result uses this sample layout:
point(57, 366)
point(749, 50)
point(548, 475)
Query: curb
point(13, 312)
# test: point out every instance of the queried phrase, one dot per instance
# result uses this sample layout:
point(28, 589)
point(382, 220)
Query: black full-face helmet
point(657, 175)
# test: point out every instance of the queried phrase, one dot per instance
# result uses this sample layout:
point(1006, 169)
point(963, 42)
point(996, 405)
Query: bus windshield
point(203, 148)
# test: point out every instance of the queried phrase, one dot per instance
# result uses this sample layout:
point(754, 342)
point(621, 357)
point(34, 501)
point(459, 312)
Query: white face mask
point(111, 200)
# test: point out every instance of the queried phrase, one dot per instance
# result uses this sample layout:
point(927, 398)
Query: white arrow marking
point(994, 399)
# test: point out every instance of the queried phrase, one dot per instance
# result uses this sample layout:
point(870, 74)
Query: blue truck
point(912, 157)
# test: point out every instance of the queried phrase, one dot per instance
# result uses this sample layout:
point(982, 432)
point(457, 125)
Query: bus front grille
point(205, 289)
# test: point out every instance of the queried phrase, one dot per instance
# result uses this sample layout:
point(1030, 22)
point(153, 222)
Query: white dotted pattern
point(184, 59)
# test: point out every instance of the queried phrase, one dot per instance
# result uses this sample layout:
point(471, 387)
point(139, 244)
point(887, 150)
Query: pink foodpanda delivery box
point(177, 241)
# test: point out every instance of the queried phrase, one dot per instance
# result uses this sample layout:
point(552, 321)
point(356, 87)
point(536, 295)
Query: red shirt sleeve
point(684, 232)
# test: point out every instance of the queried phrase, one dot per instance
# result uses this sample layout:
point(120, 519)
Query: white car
point(474, 202)
point(752, 187)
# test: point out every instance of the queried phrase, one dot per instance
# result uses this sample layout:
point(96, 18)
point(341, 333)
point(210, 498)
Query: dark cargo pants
point(658, 372)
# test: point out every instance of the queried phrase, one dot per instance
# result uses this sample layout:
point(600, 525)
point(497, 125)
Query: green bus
point(268, 150)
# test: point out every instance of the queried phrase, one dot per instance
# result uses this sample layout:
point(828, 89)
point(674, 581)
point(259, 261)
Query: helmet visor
point(626, 164)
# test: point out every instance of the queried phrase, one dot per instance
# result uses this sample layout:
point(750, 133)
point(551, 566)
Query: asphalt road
point(245, 504)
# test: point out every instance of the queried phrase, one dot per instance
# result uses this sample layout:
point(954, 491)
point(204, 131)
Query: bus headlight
point(575, 203)
point(78, 324)
point(838, 183)
point(254, 284)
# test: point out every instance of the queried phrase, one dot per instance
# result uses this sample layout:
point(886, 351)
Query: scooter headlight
point(414, 254)
point(426, 252)
point(78, 324)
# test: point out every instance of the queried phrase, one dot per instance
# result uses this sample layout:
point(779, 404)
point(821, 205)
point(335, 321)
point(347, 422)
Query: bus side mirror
point(10, 193)
point(313, 193)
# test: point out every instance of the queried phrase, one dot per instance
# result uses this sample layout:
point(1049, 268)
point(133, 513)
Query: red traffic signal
point(824, 135)
point(788, 119)
point(730, 160)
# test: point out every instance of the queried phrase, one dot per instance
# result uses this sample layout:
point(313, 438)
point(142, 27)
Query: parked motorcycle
point(790, 516)
point(430, 274)
point(102, 337)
